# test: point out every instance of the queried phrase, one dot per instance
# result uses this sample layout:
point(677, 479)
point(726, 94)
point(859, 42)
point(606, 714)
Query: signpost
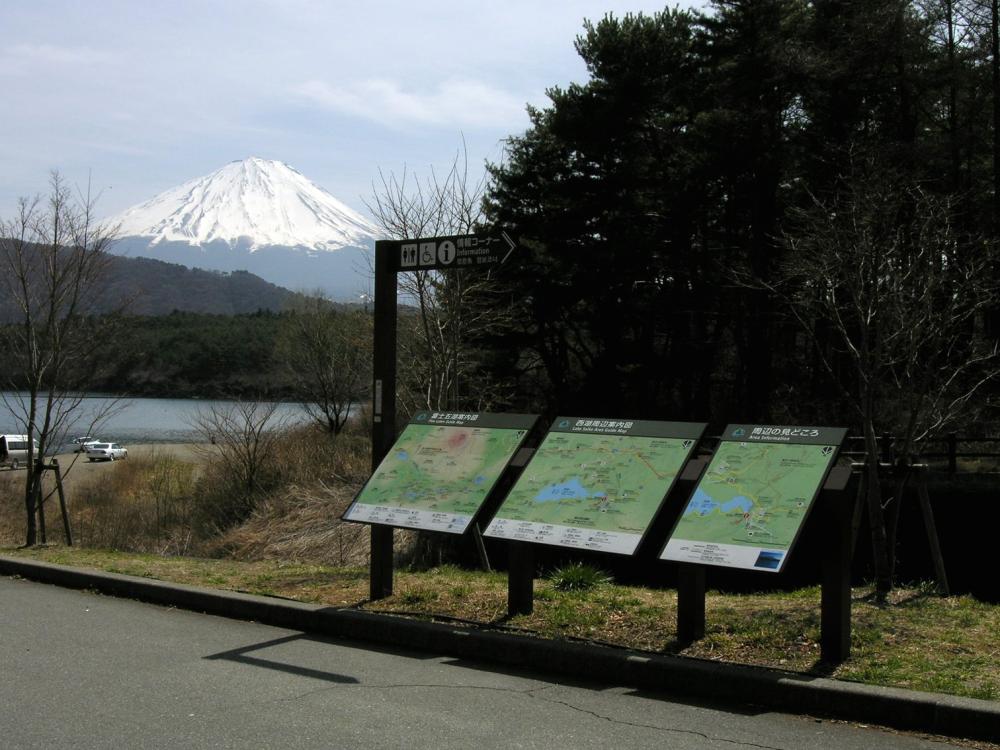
point(393, 257)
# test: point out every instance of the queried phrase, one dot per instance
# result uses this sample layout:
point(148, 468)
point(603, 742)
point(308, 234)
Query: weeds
point(577, 576)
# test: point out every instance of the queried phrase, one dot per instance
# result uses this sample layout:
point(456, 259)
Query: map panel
point(595, 490)
point(440, 471)
point(750, 504)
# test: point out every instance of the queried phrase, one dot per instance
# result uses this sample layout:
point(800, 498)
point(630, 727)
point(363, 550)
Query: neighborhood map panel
point(595, 484)
point(749, 506)
point(440, 471)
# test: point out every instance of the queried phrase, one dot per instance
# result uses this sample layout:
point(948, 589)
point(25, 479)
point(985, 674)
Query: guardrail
point(945, 451)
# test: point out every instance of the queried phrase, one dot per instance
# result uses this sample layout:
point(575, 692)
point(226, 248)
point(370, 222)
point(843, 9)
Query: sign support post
point(690, 603)
point(835, 593)
point(393, 257)
point(383, 405)
point(520, 579)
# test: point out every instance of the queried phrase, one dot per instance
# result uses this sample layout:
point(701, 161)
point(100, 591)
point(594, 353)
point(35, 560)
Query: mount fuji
point(260, 216)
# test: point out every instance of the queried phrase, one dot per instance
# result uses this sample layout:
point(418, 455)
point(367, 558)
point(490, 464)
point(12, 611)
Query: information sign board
point(596, 483)
point(455, 251)
point(749, 506)
point(440, 470)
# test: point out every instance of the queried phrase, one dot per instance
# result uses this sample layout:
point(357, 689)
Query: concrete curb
point(692, 678)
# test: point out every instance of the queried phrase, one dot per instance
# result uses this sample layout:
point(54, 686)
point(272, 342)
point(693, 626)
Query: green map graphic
point(609, 483)
point(441, 468)
point(754, 494)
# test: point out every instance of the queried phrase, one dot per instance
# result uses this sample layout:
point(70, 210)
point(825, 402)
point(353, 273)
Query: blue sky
point(145, 94)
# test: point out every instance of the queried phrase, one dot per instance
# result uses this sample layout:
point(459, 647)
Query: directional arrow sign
point(457, 251)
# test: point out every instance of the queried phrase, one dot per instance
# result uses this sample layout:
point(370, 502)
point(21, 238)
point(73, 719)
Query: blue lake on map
point(571, 489)
point(703, 504)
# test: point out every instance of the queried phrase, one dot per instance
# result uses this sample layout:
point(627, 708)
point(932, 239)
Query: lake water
point(140, 420)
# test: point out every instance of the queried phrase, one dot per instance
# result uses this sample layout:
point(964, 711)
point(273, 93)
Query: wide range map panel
point(753, 499)
point(595, 484)
point(440, 470)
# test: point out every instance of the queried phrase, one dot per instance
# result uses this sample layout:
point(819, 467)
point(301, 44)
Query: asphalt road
point(80, 670)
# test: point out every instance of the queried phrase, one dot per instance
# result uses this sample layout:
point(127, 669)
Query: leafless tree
point(53, 263)
point(881, 268)
point(242, 436)
point(439, 368)
point(439, 363)
point(328, 353)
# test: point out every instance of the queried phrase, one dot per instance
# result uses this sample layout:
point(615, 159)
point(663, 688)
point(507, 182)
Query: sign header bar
point(633, 427)
point(453, 251)
point(760, 433)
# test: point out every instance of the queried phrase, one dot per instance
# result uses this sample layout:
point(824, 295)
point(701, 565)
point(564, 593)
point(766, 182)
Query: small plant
point(578, 577)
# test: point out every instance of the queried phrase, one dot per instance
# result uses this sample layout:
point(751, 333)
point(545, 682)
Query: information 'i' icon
point(446, 252)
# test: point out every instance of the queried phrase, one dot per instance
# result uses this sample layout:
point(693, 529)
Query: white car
point(106, 451)
point(82, 443)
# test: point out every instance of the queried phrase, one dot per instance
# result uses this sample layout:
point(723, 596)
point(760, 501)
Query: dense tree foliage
point(650, 195)
point(193, 354)
point(773, 210)
point(188, 354)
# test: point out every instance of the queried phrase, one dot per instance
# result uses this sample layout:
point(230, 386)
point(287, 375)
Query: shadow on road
point(242, 656)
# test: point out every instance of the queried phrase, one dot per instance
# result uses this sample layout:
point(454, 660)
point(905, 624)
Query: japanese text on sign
point(449, 252)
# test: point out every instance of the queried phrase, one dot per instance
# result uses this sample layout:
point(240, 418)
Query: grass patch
point(918, 641)
point(577, 576)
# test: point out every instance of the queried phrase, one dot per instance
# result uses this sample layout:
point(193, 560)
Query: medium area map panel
point(753, 499)
point(595, 484)
point(440, 471)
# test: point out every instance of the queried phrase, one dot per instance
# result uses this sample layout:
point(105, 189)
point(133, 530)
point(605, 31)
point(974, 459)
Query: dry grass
point(11, 507)
point(165, 504)
point(143, 505)
point(269, 578)
point(302, 524)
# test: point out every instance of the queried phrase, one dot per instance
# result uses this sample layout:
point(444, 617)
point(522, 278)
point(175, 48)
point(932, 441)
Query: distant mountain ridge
point(154, 287)
point(258, 215)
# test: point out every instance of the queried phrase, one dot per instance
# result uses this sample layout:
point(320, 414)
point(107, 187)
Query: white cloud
point(50, 54)
point(457, 102)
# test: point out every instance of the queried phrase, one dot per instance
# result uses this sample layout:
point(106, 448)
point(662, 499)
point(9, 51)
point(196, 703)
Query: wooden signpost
point(391, 258)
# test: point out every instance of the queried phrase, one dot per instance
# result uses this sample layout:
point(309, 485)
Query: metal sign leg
point(690, 603)
point(521, 579)
point(380, 567)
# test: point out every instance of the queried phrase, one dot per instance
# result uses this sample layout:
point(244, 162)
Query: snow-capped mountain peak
point(254, 203)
